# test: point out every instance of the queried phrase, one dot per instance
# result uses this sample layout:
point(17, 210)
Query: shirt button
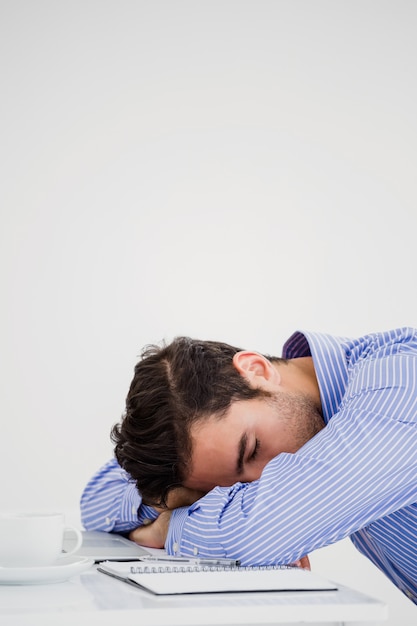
point(175, 546)
point(108, 521)
point(134, 509)
point(195, 551)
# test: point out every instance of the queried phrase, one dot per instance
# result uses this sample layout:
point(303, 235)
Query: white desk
point(94, 598)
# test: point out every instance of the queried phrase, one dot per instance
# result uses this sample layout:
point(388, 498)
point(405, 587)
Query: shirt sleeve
point(111, 501)
point(343, 479)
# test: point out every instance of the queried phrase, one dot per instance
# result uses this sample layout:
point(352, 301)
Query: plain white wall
point(225, 169)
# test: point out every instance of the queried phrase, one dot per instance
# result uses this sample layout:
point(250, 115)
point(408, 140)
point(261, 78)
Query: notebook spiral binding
point(180, 569)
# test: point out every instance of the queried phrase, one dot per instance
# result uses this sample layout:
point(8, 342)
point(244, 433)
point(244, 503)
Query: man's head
point(204, 413)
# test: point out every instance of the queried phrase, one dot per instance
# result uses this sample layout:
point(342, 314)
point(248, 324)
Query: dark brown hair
point(174, 386)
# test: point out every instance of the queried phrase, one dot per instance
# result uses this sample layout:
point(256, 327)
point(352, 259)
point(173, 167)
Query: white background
point(232, 170)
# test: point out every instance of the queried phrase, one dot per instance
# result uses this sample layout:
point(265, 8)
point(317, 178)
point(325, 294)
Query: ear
point(258, 370)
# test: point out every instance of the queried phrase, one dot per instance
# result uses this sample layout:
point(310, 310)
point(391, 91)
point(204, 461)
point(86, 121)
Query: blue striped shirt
point(357, 477)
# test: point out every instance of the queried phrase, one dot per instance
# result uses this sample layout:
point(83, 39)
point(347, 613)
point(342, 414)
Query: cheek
point(253, 471)
point(262, 461)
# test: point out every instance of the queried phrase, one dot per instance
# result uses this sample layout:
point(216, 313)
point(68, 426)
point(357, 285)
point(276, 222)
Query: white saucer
point(61, 570)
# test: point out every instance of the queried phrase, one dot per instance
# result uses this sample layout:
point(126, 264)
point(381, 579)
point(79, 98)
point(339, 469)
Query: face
point(237, 447)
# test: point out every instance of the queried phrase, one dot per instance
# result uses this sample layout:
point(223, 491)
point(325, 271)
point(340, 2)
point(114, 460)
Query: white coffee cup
point(33, 539)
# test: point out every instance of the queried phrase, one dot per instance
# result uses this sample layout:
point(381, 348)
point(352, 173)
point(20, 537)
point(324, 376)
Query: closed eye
point(255, 451)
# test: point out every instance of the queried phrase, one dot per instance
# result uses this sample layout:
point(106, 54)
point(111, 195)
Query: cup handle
point(78, 537)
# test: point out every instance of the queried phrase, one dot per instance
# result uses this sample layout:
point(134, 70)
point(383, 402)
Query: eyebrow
point(241, 453)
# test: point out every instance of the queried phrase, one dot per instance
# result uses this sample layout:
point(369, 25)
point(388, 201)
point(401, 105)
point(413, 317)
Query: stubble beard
point(299, 413)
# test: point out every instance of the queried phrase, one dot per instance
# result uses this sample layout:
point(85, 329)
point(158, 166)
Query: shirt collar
point(330, 363)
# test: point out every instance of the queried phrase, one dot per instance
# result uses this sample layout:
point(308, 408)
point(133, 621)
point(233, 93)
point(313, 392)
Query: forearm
point(335, 485)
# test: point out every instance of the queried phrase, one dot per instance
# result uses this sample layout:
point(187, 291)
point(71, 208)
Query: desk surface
point(94, 598)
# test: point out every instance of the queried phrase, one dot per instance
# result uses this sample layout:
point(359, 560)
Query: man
point(293, 454)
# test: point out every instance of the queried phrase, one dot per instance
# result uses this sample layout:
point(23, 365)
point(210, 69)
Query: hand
point(152, 535)
point(181, 496)
point(304, 562)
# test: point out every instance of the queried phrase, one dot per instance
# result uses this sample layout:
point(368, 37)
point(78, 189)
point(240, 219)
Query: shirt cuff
point(130, 504)
point(176, 524)
point(134, 510)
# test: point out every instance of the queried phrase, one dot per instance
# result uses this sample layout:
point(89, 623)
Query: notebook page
point(234, 580)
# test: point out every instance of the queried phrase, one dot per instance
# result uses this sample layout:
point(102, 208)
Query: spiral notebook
point(170, 579)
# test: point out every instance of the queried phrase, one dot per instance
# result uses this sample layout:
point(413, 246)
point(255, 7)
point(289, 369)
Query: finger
point(304, 563)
